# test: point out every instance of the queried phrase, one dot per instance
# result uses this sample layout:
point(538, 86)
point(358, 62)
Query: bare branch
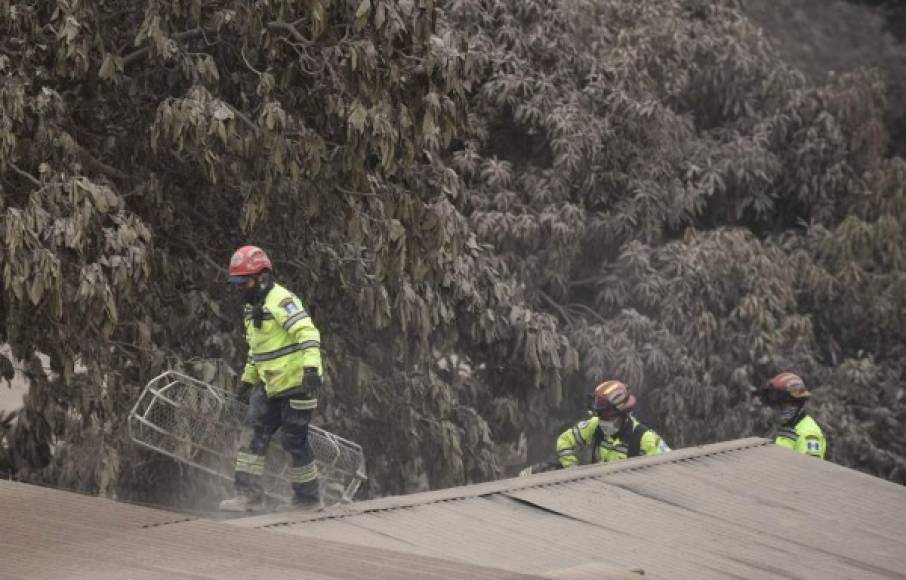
point(359, 193)
point(304, 57)
point(243, 117)
point(316, 70)
point(346, 32)
point(250, 67)
point(97, 165)
point(550, 302)
point(206, 41)
point(583, 308)
point(291, 29)
point(25, 174)
point(298, 47)
point(144, 51)
point(592, 281)
point(299, 264)
point(210, 261)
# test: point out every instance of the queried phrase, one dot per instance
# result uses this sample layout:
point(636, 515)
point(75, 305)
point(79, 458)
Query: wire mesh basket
point(200, 425)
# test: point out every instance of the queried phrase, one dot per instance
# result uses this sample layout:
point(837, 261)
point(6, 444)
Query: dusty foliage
point(832, 37)
point(695, 213)
point(489, 205)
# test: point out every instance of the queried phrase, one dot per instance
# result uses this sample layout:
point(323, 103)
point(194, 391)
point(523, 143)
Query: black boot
point(307, 496)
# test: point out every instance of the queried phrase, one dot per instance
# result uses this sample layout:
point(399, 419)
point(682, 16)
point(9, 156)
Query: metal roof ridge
point(500, 485)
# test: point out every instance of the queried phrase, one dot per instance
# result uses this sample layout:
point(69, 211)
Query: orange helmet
point(612, 398)
point(785, 387)
point(248, 261)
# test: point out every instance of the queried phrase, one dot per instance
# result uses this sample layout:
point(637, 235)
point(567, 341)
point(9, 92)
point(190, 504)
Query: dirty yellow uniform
point(805, 436)
point(283, 341)
point(632, 440)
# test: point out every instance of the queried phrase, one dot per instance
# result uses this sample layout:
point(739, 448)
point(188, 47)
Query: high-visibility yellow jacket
point(632, 440)
point(281, 345)
point(805, 437)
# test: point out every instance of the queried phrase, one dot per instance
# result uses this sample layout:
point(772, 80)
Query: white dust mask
point(608, 427)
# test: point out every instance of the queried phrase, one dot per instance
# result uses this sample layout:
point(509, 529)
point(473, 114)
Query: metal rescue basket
point(199, 424)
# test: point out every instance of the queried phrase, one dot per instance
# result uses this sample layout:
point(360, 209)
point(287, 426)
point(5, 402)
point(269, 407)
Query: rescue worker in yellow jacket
point(283, 376)
point(786, 395)
point(612, 433)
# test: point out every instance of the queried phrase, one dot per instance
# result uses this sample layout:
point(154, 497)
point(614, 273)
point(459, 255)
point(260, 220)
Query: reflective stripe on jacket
point(805, 437)
point(283, 346)
point(632, 440)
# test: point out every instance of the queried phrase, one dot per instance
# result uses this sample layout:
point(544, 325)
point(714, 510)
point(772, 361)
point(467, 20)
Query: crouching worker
point(283, 374)
point(612, 433)
point(786, 396)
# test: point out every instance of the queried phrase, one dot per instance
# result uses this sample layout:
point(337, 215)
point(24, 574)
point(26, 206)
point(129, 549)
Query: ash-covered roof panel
point(741, 509)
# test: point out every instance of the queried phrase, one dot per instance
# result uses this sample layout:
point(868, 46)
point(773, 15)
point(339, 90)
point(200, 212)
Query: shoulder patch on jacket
point(812, 444)
point(289, 304)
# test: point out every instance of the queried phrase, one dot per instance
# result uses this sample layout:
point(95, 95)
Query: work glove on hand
point(540, 468)
point(245, 391)
point(312, 381)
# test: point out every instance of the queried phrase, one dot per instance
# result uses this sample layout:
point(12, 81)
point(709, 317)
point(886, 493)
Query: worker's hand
point(312, 381)
point(245, 391)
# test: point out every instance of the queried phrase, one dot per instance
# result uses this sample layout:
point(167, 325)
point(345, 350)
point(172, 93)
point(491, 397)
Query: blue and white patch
point(291, 307)
point(813, 445)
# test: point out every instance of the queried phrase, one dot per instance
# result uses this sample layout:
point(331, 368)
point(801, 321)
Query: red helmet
point(785, 387)
point(613, 397)
point(248, 261)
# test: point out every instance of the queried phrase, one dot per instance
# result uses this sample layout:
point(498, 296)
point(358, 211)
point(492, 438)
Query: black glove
point(245, 391)
point(312, 381)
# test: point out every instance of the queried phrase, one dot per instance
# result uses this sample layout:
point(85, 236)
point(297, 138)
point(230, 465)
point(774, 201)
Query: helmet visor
point(607, 411)
point(239, 280)
point(772, 398)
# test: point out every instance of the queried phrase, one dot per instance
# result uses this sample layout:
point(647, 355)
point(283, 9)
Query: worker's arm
point(291, 314)
point(653, 444)
point(573, 439)
point(250, 372)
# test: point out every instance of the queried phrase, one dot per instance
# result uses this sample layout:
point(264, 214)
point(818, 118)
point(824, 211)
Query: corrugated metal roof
point(592, 571)
point(742, 509)
point(50, 534)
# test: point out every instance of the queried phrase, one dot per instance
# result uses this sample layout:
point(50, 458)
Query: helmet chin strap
point(256, 295)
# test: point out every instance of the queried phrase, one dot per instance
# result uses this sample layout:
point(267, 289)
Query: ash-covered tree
point(693, 210)
point(824, 39)
point(489, 205)
point(143, 141)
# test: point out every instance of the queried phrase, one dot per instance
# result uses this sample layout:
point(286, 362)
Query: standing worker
point(612, 433)
point(786, 395)
point(283, 375)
